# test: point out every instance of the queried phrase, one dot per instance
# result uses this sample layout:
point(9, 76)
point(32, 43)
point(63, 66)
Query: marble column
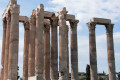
point(92, 51)
point(110, 52)
point(62, 45)
point(54, 50)
point(67, 43)
point(31, 56)
point(74, 50)
point(3, 48)
point(47, 52)
point(26, 50)
point(7, 47)
point(14, 43)
point(39, 44)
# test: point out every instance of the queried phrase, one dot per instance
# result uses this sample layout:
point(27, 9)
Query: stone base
point(35, 78)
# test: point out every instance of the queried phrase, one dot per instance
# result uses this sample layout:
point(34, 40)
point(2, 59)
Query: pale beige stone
point(54, 49)
point(101, 21)
point(110, 52)
point(70, 17)
point(47, 52)
point(62, 45)
point(48, 14)
point(14, 41)
point(74, 50)
point(92, 48)
point(39, 44)
point(23, 19)
point(3, 48)
point(31, 58)
point(7, 47)
point(26, 50)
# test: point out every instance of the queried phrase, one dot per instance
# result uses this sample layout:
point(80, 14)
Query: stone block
point(70, 17)
point(100, 21)
point(35, 78)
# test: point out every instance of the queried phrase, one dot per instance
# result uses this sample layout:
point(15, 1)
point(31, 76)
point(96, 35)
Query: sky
point(83, 10)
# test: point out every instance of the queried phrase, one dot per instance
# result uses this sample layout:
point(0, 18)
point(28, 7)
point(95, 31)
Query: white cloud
point(86, 9)
point(83, 50)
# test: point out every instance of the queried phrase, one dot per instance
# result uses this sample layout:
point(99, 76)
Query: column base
point(36, 78)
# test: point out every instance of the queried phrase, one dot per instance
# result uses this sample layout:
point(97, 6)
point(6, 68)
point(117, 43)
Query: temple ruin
point(40, 60)
point(110, 47)
point(41, 53)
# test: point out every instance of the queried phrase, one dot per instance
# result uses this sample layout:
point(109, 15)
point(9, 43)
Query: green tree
point(119, 76)
point(88, 72)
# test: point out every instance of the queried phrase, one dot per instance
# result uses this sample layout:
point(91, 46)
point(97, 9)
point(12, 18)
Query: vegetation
point(88, 72)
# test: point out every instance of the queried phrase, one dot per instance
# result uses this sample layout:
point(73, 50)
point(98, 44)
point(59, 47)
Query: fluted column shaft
point(74, 50)
point(31, 56)
point(67, 43)
point(39, 44)
point(26, 50)
point(110, 52)
point(3, 48)
point(54, 50)
point(14, 41)
point(92, 51)
point(47, 52)
point(7, 48)
point(62, 45)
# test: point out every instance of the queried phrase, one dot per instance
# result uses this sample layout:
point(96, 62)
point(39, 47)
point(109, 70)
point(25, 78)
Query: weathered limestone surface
point(110, 52)
point(74, 50)
point(31, 58)
point(62, 45)
point(26, 50)
point(14, 41)
point(7, 48)
point(3, 48)
point(67, 43)
point(39, 44)
point(92, 49)
point(54, 50)
point(47, 52)
point(101, 21)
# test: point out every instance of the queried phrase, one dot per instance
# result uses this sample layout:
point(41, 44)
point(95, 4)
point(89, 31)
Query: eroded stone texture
point(7, 47)
point(67, 43)
point(62, 45)
point(110, 52)
point(3, 48)
point(92, 49)
point(39, 44)
point(26, 50)
point(47, 52)
point(54, 49)
point(101, 21)
point(74, 50)
point(31, 58)
point(14, 41)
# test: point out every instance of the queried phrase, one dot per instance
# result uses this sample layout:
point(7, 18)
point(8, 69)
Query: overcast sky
point(83, 10)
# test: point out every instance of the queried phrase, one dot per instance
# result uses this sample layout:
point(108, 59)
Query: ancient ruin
point(110, 47)
point(40, 44)
point(40, 60)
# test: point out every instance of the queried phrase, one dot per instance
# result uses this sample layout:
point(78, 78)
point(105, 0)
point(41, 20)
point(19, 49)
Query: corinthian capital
point(91, 25)
point(26, 25)
point(74, 23)
point(109, 28)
